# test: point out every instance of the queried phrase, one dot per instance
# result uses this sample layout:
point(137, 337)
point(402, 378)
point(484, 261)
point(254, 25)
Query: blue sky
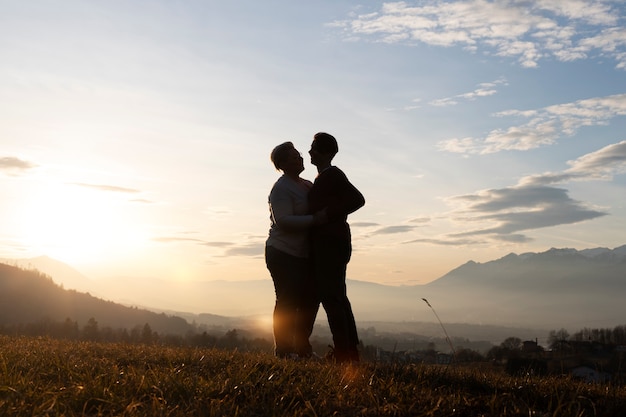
point(135, 136)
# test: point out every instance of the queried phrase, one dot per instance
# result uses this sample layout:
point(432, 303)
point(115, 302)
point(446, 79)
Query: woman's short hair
point(325, 143)
point(280, 153)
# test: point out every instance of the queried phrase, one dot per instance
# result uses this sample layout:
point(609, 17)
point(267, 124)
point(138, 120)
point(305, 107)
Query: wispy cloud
point(104, 187)
point(364, 224)
point(255, 249)
point(482, 90)
point(217, 244)
point(445, 241)
point(169, 239)
point(602, 164)
point(14, 166)
point(527, 31)
point(544, 127)
point(420, 220)
point(216, 212)
point(253, 246)
point(141, 201)
point(178, 239)
point(390, 230)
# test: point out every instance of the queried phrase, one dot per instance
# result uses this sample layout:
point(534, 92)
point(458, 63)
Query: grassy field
point(45, 377)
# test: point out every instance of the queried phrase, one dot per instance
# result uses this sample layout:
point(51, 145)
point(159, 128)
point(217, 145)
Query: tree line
point(139, 334)
point(512, 347)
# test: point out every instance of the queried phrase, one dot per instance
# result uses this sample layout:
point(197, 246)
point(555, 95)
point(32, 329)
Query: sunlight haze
point(135, 136)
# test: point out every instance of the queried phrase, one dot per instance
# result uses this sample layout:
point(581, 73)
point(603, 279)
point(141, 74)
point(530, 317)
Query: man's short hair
point(325, 143)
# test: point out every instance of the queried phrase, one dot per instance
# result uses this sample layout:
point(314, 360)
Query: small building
point(444, 358)
point(531, 346)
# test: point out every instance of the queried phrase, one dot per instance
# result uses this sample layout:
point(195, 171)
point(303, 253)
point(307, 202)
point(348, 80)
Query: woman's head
point(281, 153)
point(286, 158)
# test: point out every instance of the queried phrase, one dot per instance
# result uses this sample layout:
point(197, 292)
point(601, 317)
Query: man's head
point(323, 149)
point(325, 143)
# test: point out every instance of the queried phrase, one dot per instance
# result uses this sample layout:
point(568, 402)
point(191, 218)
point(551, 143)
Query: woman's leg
point(283, 268)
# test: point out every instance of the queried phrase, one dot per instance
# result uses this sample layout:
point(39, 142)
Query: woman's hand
point(321, 217)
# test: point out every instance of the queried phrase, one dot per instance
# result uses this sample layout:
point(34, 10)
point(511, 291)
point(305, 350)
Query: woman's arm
point(283, 216)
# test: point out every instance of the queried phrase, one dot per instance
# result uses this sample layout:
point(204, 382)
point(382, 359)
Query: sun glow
point(75, 224)
point(265, 322)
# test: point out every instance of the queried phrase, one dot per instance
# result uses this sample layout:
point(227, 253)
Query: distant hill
point(30, 297)
point(548, 290)
point(561, 270)
point(63, 274)
point(559, 287)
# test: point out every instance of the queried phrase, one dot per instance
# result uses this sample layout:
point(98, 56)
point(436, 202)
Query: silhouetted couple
point(308, 250)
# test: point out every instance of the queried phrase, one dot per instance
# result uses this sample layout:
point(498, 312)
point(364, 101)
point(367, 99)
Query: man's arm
point(349, 200)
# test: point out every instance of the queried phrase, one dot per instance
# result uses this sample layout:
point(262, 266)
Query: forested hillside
point(29, 296)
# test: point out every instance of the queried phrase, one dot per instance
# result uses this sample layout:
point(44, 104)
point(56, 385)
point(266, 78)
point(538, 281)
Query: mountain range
point(558, 288)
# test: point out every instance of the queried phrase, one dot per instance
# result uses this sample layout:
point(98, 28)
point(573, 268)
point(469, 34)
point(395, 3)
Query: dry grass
point(44, 377)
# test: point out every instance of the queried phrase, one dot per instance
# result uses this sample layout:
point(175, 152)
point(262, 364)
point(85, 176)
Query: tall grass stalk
point(442, 327)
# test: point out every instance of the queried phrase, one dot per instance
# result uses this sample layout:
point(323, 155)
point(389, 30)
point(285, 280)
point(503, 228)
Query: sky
point(135, 136)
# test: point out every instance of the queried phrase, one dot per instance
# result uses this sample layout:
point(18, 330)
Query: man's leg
point(331, 259)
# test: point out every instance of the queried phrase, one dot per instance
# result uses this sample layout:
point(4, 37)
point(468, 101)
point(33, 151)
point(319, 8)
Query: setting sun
point(73, 223)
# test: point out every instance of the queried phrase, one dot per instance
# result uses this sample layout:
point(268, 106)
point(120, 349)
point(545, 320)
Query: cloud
point(216, 212)
point(167, 239)
point(482, 90)
point(141, 200)
point(217, 244)
point(397, 229)
point(544, 127)
point(103, 187)
point(178, 239)
point(502, 214)
point(364, 224)
point(256, 249)
point(14, 166)
point(591, 12)
point(520, 208)
point(444, 102)
point(445, 241)
point(602, 164)
point(527, 31)
point(389, 230)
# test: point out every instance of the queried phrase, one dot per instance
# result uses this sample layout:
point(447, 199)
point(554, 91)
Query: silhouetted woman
point(287, 255)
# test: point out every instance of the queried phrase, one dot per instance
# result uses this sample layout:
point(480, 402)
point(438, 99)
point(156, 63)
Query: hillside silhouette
point(29, 296)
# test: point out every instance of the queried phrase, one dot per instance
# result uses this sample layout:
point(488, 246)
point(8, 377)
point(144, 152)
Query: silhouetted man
point(331, 244)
